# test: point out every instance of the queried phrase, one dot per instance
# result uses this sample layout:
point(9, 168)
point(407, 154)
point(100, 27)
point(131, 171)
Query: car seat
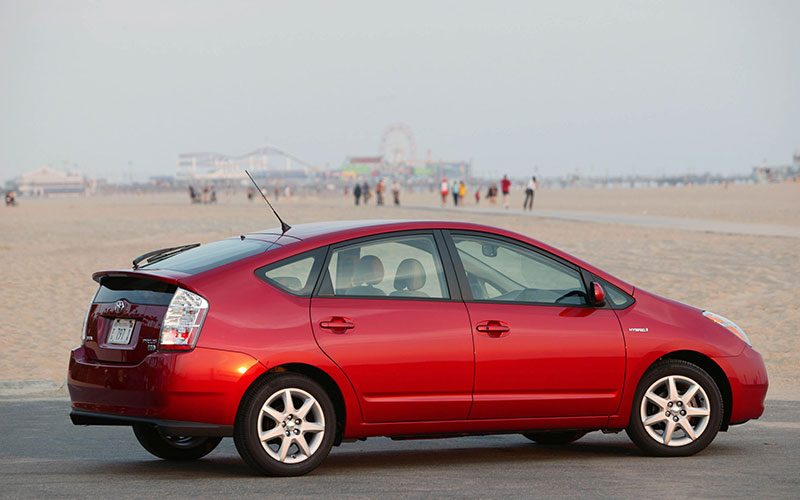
point(368, 273)
point(408, 279)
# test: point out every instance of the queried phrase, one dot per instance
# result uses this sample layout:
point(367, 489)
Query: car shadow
point(395, 456)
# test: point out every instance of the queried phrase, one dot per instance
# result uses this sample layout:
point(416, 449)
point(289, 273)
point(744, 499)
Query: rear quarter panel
point(248, 315)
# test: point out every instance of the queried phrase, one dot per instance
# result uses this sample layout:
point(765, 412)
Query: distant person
point(379, 189)
point(491, 193)
point(277, 193)
point(455, 192)
point(530, 190)
point(11, 199)
point(287, 191)
point(462, 191)
point(396, 192)
point(357, 192)
point(206, 193)
point(213, 197)
point(477, 196)
point(365, 192)
point(444, 191)
point(505, 185)
point(193, 196)
point(250, 194)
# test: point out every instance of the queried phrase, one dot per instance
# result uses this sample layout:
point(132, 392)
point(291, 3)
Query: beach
point(50, 247)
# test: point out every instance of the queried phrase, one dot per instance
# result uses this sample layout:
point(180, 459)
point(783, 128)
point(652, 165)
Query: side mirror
point(597, 294)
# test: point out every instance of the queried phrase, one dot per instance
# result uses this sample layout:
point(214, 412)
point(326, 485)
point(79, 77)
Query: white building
point(47, 181)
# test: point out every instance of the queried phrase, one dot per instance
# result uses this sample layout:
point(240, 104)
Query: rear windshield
point(135, 291)
point(210, 255)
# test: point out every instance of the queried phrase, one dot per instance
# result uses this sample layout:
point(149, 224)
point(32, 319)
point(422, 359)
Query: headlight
point(730, 325)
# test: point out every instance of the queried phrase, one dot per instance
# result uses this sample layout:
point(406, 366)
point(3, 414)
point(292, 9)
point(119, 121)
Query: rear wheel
point(285, 426)
point(554, 437)
point(677, 410)
point(174, 447)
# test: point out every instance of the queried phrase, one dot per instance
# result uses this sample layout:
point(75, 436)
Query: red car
point(294, 342)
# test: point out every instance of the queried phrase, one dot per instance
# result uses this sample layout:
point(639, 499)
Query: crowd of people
point(362, 192)
point(457, 191)
point(207, 195)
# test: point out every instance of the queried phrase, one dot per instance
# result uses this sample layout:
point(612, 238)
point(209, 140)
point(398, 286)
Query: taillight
point(183, 321)
point(86, 322)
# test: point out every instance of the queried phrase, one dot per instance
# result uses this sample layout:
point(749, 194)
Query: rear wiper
point(157, 255)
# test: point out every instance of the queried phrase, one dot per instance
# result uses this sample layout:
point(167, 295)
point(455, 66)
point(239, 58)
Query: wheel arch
point(713, 369)
point(319, 376)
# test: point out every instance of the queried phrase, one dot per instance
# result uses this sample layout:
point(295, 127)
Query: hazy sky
point(593, 86)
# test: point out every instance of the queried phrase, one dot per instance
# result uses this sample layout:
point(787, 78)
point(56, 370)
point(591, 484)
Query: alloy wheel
point(675, 410)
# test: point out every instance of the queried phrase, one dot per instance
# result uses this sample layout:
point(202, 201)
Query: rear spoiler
point(165, 275)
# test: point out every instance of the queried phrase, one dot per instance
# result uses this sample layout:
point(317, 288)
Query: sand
point(50, 247)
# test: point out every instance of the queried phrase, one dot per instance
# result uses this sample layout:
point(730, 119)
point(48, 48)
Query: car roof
point(330, 232)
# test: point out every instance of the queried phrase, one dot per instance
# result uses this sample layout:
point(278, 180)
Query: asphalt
point(654, 221)
point(42, 455)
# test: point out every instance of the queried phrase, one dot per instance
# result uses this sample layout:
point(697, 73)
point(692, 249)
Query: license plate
point(121, 331)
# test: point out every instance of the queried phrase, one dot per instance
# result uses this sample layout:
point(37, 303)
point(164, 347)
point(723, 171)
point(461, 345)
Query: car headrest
point(369, 270)
point(410, 274)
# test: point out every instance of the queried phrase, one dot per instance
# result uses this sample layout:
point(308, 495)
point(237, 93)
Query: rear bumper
point(170, 427)
point(747, 376)
point(198, 388)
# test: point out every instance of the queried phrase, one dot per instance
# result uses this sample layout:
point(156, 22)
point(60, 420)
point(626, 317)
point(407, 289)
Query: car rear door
point(540, 349)
point(388, 313)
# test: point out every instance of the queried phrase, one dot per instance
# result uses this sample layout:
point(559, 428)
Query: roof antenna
point(284, 226)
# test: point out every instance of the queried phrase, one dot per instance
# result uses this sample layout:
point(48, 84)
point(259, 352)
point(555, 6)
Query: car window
point(296, 275)
point(501, 271)
point(209, 256)
point(616, 297)
point(403, 266)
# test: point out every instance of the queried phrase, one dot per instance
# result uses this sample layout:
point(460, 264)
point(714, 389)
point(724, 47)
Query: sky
point(588, 87)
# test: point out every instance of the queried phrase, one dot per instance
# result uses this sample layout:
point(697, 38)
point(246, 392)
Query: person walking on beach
point(505, 185)
point(396, 192)
point(444, 190)
point(365, 192)
point(379, 189)
point(491, 193)
point(530, 189)
point(357, 192)
point(462, 191)
point(456, 193)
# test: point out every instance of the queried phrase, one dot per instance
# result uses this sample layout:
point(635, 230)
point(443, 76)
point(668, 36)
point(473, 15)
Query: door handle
point(338, 324)
point(493, 328)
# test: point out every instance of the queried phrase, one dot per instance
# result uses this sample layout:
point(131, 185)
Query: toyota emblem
point(119, 306)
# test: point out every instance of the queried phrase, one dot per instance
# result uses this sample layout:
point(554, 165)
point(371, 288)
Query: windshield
point(209, 256)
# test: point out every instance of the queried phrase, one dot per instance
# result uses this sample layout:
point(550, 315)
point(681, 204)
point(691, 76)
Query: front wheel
point(285, 426)
point(173, 447)
point(677, 410)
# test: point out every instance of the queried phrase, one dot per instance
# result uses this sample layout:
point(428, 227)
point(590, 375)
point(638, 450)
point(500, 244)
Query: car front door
point(385, 314)
point(540, 349)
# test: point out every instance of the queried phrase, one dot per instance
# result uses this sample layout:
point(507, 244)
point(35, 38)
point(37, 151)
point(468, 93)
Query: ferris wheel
point(397, 145)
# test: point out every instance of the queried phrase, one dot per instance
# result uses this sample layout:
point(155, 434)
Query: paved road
point(699, 225)
point(42, 455)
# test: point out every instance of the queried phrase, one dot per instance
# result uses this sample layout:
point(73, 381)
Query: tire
point(677, 410)
point(296, 439)
point(173, 447)
point(554, 437)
